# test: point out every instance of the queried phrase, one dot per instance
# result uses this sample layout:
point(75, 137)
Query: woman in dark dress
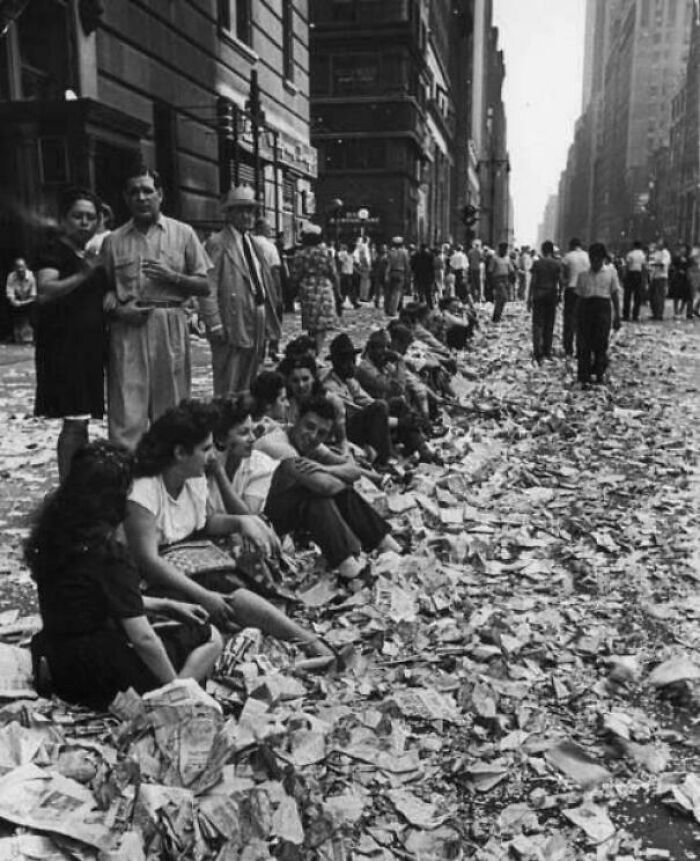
point(70, 330)
point(96, 637)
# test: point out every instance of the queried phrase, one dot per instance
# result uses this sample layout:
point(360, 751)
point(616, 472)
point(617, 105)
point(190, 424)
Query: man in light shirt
point(459, 264)
point(574, 263)
point(659, 263)
point(154, 264)
point(597, 294)
point(634, 268)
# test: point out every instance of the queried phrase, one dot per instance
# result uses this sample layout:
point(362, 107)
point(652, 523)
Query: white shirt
point(659, 263)
point(602, 284)
point(635, 260)
point(459, 261)
point(575, 262)
point(251, 483)
point(176, 519)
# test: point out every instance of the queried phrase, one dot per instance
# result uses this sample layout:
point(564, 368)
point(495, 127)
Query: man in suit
point(240, 298)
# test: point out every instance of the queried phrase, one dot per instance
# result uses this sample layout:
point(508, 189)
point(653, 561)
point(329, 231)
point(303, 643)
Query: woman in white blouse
point(168, 503)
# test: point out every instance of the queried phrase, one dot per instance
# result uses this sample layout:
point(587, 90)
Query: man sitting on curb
point(314, 490)
point(367, 420)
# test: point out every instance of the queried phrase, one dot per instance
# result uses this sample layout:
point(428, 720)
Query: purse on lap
point(204, 562)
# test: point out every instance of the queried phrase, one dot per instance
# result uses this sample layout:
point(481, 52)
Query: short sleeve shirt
point(251, 483)
point(169, 241)
point(176, 519)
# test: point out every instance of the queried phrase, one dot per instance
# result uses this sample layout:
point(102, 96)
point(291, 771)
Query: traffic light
point(469, 215)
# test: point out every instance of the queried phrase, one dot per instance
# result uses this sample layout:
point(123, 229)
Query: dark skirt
point(92, 668)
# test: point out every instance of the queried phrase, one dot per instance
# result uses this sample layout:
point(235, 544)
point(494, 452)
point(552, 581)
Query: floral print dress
point(313, 270)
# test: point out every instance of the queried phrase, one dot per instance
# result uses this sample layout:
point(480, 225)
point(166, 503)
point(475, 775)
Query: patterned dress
point(314, 272)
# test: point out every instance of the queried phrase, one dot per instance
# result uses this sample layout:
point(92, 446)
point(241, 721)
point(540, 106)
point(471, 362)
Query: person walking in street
point(659, 264)
point(363, 267)
point(153, 264)
point(598, 301)
point(70, 327)
point(398, 276)
point(679, 284)
point(475, 262)
point(501, 273)
point(422, 266)
point(240, 299)
point(314, 271)
point(524, 272)
point(575, 262)
point(379, 274)
point(346, 269)
point(20, 288)
point(542, 298)
point(634, 267)
point(459, 266)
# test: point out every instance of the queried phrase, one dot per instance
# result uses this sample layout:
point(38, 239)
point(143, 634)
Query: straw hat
point(240, 195)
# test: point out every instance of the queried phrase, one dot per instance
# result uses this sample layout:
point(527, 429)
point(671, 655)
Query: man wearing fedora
point(240, 298)
point(154, 265)
point(367, 420)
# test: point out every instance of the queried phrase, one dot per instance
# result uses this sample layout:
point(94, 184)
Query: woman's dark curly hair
point(85, 509)
point(265, 389)
point(188, 424)
point(230, 412)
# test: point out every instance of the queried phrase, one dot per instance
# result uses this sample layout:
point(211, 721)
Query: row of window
point(365, 154)
point(236, 17)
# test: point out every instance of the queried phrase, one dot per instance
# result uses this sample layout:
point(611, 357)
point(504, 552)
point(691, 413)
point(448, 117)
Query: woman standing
point(314, 271)
point(70, 328)
point(96, 638)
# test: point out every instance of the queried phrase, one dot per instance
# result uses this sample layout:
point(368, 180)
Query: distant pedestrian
point(542, 298)
point(314, 271)
point(423, 268)
point(575, 262)
point(598, 303)
point(634, 268)
point(459, 266)
point(241, 297)
point(679, 283)
point(154, 264)
point(379, 274)
point(21, 294)
point(475, 259)
point(346, 269)
point(70, 327)
point(659, 264)
point(501, 274)
point(398, 276)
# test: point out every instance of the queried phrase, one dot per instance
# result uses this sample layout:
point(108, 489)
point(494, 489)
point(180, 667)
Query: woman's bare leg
point(201, 660)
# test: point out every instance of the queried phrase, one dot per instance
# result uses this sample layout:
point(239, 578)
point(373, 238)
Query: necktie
point(252, 268)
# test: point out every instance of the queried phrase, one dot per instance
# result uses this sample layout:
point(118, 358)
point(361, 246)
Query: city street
point(527, 674)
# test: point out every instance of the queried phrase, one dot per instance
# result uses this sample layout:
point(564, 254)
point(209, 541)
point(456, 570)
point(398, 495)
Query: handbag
point(203, 561)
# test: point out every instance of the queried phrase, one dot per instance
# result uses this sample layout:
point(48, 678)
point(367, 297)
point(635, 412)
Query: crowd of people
point(195, 497)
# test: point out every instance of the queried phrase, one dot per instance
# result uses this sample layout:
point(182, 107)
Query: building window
point(355, 74)
point(46, 65)
point(235, 16)
point(288, 39)
point(355, 154)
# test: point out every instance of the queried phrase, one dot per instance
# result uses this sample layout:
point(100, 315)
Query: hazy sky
point(542, 41)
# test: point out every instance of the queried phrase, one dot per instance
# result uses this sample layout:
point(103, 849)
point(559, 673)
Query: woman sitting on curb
point(96, 637)
point(168, 504)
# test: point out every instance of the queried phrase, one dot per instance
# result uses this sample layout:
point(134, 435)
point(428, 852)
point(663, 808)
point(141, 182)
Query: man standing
point(501, 273)
point(596, 291)
point(659, 263)
point(398, 276)
point(542, 298)
point(237, 306)
point(459, 265)
point(423, 268)
point(524, 272)
point(634, 267)
point(574, 263)
point(154, 264)
point(474, 258)
point(21, 294)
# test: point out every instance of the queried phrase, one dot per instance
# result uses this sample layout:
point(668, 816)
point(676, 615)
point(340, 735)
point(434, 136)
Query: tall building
point(635, 58)
point(548, 227)
point(385, 116)
point(489, 129)
point(207, 92)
